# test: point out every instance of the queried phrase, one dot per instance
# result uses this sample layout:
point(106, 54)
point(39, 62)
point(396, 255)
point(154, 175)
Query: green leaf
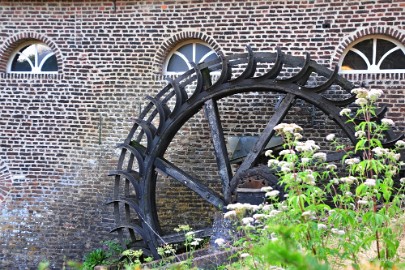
point(360, 190)
point(386, 191)
point(379, 220)
point(360, 145)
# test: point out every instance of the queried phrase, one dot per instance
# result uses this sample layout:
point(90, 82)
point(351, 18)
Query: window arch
point(33, 57)
point(191, 51)
point(374, 54)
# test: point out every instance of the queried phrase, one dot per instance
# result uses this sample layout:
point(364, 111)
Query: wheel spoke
point(218, 141)
point(189, 181)
point(264, 138)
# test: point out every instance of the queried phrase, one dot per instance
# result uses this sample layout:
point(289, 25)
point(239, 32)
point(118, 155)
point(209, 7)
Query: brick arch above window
point(167, 46)
point(9, 47)
point(389, 32)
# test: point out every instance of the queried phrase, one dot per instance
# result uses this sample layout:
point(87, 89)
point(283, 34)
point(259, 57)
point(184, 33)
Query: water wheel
point(143, 151)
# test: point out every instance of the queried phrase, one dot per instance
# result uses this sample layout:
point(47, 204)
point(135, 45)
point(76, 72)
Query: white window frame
point(194, 42)
point(373, 68)
point(35, 67)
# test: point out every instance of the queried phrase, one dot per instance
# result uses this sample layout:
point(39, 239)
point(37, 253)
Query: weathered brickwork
point(58, 131)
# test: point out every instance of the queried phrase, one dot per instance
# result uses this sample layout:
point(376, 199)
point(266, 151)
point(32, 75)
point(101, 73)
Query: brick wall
point(58, 132)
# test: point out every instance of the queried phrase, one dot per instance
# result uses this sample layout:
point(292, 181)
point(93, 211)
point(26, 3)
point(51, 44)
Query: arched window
point(33, 57)
point(374, 54)
point(182, 55)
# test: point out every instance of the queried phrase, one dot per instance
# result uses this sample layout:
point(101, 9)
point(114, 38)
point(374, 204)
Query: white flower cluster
point(266, 189)
point(272, 194)
point(310, 179)
point(166, 249)
point(247, 220)
point(360, 92)
point(298, 136)
point(379, 151)
point(400, 144)
point(351, 161)
point(345, 112)
point(244, 255)
point(274, 212)
point(196, 241)
point(387, 122)
point(331, 167)
point(272, 162)
point(220, 241)
point(320, 156)
point(309, 214)
point(335, 181)
point(369, 95)
point(348, 180)
point(285, 128)
point(305, 160)
point(361, 101)
point(287, 152)
point(243, 206)
point(362, 202)
point(285, 166)
point(348, 194)
point(268, 153)
point(338, 232)
point(374, 94)
point(384, 152)
point(330, 137)
point(260, 217)
point(261, 213)
point(370, 182)
point(360, 134)
point(230, 214)
point(306, 146)
point(396, 156)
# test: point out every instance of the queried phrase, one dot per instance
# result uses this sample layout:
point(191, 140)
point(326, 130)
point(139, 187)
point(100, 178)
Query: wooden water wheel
point(143, 151)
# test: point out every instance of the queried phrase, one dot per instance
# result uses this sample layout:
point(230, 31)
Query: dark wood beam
point(189, 181)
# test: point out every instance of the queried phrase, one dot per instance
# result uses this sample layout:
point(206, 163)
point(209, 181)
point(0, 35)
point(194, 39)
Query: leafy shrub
point(94, 258)
point(308, 230)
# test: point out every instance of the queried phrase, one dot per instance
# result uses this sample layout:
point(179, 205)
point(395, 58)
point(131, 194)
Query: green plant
point(94, 258)
point(190, 243)
point(328, 218)
point(44, 265)
point(132, 257)
point(113, 251)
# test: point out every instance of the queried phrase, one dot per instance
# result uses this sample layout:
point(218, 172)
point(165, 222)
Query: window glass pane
point(187, 51)
point(30, 52)
point(20, 63)
point(396, 60)
point(353, 61)
point(177, 64)
point(201, 50)
point(366, 47)
point(50, 64)
point(383, 46)
point(211, 57)
point(42, 52)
